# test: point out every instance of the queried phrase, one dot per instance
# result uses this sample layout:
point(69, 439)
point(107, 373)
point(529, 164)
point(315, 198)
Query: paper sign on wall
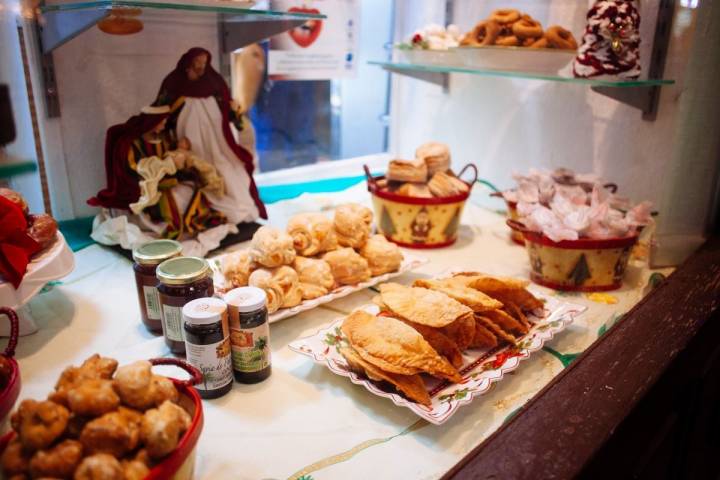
point(318, 49)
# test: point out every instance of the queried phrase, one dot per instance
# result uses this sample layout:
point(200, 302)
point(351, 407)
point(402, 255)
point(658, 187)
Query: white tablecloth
point(304, 420)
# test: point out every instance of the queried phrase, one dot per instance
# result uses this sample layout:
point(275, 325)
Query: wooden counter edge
point(559, 430)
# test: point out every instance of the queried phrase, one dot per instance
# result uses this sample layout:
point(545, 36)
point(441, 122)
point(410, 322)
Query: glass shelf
point(15, 167)
point(63, 21)
point(412, 68)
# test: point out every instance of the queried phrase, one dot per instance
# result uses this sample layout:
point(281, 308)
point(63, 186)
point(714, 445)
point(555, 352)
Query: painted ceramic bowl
point(10, 393)
point(585, 265)
point(418, 222)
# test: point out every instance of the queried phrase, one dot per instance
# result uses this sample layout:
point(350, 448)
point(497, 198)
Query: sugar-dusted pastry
point(59, 461)
point(407, 171)
point(162, 428)
point(39, 424)
point(271, 247)
point(412, 386)
point(456, 289)
point(100, 465)
point(382, 256)
point(312, 233)
point(394, 347)
point(139, 388)
point(315, 276)
point(436, 156)
point(352, 225)
point(348, 268)
point(417, 190)
point(236, 267)
point(443, 185)
point(281, 286)
point(420, 305)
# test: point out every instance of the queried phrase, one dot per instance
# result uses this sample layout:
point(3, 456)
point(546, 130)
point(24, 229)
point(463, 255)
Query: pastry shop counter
point(305, 421)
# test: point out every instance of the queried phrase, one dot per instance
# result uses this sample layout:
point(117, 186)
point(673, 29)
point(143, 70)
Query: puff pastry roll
point(281, 286)
point(348, 268)
point(315, 275)
point(417, 190)
point(435, 155)
point(352, 225)
point(271, 247)
point(312, 233)
point(444, 185)
point(407, 171)
point(382, 256)
point(236, 267)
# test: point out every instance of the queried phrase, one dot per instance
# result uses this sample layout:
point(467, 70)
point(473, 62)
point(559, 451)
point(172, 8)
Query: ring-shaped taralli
point(541, 43)
point(508, 41)
point(527, 27)
point(484, 33)
point(560, 38)
point(505, 15)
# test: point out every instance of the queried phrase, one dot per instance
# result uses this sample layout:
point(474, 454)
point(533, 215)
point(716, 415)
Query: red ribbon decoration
point(16, 246)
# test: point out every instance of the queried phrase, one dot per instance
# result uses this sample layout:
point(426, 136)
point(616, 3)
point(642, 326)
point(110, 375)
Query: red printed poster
point(318, 49)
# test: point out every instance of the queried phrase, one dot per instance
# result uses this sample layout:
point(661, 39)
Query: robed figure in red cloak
point(202, 111)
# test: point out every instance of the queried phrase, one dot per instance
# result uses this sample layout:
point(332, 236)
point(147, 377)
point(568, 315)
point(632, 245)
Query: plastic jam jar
point(249, 334)
point(180, 280)
point(207, 345)
point(147, 257)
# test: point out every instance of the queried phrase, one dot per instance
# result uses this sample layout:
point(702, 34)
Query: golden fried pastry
point(39, 424)
point(541, 42)
point(59, 461)
point(444, 185)
point(94, 367)
point(163, 427)
point(420, 305)
point(162, 389)
point(436, 156)
point(263, 278)
point(507, 41)
point(505, 15)
point(75, 425)
point(116, 433)
point(272, 248)
point(394, 346)
point(484, 338)
point(417, 190)
point(15, 460)
point(412, 386)
point(139, 388)
point(515, 312)
point(461, 331)
point(315, 276)
point(134, 469)
point(100, 466)
point(484, 33)
point(312, 233)
point(236, 267)
point(348, 268)
point(93, 397)
point(506, 322)
point(456, 289)
point(504, 289)
point(414, 171)
point(382, 256)
point(281, 286)
point(352, 224)
point(527, 28)
point(558, 37)
point(439, 342)
point(494, 328)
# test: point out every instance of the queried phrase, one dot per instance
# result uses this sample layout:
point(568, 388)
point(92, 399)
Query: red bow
point(16, 246)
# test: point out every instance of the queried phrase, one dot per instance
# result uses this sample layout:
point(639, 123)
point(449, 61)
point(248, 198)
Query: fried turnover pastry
point(436, 156)
point(439, 342)
point(515, 312)
point(495, 329)
point(414, 171)
point(39, 424)
point(411, 386)
point(352, 224)
point(461, 331)
point(59, 461)
point(443, 185)
point(418, 190)
point(506, 322)
point(312, 233)
point(457, 290)
point(348, 268)
point(394, 346)
point(271, 247)
point(420, 305)
point(504, 289)
point(116, 433)
point(315, 276)
point(98, 466)
point(236, 267)
point(483, 337)
point(162, 428)
point(382, 256)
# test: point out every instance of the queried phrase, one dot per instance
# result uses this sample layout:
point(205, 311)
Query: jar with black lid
point(207, 345)
point(249, 334)
point(181, 280)
point(147, 257)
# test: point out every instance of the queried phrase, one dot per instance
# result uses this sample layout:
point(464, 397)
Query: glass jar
point(147, 257)
point(207, 345)
point(249, 334)
point(181, 280)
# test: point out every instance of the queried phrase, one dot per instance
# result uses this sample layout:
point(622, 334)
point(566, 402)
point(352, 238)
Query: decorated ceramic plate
point(410, 262)
point(481, 367)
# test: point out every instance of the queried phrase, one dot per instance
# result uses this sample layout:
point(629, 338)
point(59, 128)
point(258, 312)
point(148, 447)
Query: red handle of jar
point(372, 183)
point(196, 376)
point(475, 171)
point(14, 330)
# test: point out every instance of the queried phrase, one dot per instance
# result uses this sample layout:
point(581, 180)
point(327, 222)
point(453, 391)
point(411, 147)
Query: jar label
point(250, 348)
point(172, 323)
point(213, 361)
point(152, 303)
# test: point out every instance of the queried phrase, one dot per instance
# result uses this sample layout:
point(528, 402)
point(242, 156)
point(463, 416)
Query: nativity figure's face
point(197, 67)
point(160, 126)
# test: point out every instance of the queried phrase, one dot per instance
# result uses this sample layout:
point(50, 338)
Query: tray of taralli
point(436, 345)
point(315, 260)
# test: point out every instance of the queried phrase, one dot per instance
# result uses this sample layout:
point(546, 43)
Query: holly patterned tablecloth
point(305, 422)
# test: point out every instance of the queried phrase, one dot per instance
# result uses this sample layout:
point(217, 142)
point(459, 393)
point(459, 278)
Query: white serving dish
point(448, 58)
point(548, 61)
point(481, 367)
point(409, 262)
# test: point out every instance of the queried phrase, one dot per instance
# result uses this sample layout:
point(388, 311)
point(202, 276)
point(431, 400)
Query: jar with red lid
point(181, 280)
point(147, 257)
